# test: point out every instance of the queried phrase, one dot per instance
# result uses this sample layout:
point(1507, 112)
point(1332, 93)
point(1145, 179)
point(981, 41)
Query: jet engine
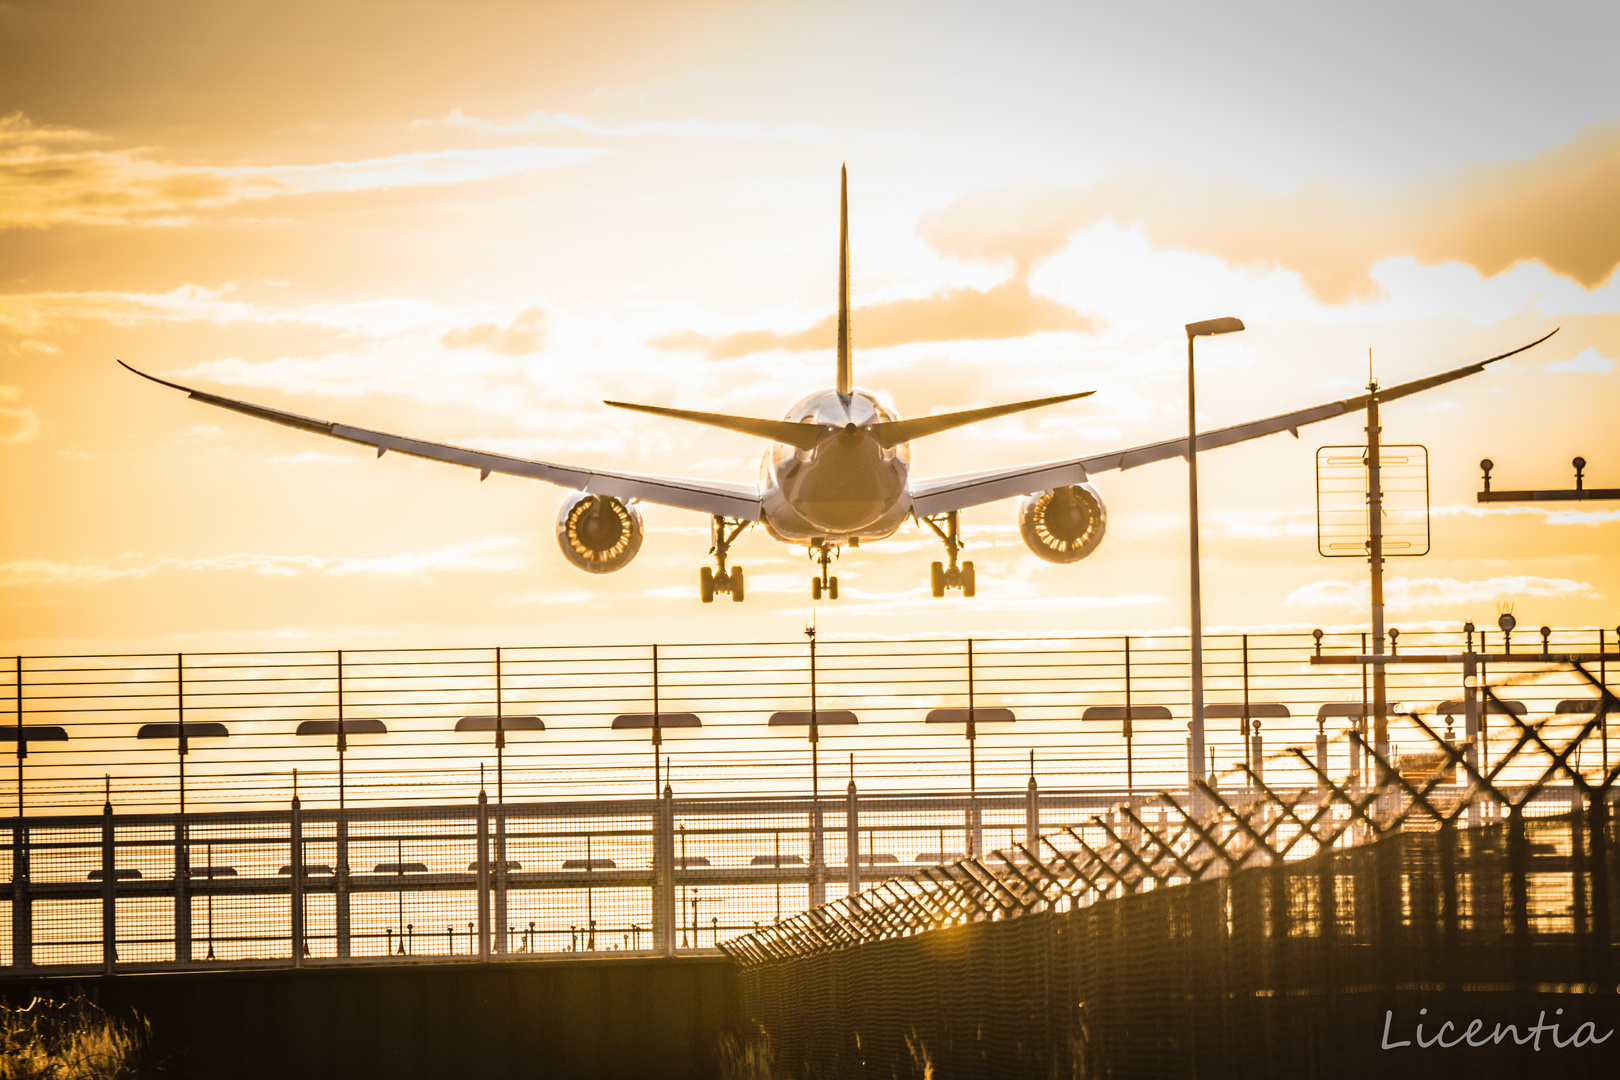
point(598, 533)
point(1065, 525)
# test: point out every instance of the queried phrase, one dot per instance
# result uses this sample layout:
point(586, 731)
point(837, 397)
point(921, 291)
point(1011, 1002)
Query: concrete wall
point(563, 1018)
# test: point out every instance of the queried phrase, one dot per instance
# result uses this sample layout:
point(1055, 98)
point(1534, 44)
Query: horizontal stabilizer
point(895, 432)
point(803, 436)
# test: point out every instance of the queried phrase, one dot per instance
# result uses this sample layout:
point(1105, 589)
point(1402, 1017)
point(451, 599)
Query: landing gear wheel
point(949, 575)
point(723, 532)
point(815, 588)
point(832, 588)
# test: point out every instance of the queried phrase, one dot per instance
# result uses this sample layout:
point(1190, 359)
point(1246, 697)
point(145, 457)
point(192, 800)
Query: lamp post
point(1207, 328)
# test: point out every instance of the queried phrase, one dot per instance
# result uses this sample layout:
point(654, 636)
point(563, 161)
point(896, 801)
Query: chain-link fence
point(1272, 933)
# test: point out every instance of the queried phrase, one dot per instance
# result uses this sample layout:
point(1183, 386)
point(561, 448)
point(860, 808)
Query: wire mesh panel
point(1223, 935)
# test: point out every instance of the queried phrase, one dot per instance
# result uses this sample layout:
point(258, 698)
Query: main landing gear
point(720, 580)
point(943, 576)
point(824, 583)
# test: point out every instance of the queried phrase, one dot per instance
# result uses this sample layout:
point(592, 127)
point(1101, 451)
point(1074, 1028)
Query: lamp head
point(1208, 327)
point(1506, 621)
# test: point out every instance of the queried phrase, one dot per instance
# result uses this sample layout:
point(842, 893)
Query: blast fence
point(1226, 934)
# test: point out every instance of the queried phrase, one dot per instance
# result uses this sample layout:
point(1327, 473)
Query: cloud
point(1586, 360)
point(526, 333)
point(56, 176)
point(1421, 592)
point(18, 423)
point(1557, 208)
point(1008, 310)
point(1549, 515)
point(491, 555)
point(544, 123)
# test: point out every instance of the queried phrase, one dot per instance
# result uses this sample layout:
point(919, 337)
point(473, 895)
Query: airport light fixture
point(1207, 328)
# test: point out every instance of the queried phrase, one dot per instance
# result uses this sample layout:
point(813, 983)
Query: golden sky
point(472, 222)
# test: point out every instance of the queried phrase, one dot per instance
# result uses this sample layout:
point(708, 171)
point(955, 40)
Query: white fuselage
point(849, 487)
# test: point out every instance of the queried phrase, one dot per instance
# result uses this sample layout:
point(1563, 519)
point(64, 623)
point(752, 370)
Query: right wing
point(739, 501)
point(945, 493)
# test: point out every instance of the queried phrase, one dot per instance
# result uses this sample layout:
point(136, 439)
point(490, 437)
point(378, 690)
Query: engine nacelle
point(598, 533)
point(1065, 525)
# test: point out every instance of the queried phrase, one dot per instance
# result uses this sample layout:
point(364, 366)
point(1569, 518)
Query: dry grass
point(748, 1057)
point(70, 1040)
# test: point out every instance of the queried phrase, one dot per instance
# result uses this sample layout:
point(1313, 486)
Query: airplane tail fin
point(846, 372)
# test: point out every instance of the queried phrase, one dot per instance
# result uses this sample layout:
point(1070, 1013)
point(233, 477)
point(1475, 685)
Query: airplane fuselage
point(848, 487)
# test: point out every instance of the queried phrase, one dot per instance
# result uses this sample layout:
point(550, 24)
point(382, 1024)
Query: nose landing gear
point(825, 582)
point(718, 579)
point(942, 576)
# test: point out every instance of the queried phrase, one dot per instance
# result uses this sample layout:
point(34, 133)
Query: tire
point(832, 588)
point(706, 585)
point(967, 578)
point(736, 585)
point(815, 588)
point(936, 578)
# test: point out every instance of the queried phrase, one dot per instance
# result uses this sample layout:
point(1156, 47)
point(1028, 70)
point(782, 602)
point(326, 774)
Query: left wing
point(946, 493)
point(740, 501)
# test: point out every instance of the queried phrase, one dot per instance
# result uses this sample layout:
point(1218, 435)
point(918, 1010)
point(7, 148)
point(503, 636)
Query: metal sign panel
point(1341, 500)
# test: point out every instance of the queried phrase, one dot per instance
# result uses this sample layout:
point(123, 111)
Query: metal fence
point(1233, 934)
point(224, 731)
point(481, 881)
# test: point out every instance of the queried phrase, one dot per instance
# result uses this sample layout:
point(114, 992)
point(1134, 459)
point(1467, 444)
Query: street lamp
point(1207, 328)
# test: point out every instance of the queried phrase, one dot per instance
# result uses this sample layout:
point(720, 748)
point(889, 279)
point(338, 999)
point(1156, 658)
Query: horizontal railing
point(480, 882)
point(373, 728)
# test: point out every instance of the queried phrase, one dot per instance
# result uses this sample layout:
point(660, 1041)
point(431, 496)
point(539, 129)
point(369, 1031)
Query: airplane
point(838, 473)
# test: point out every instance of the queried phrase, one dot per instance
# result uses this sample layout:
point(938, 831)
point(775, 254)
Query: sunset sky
point(471, 222)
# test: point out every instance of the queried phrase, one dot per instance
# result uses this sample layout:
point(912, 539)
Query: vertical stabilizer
point(846, 374)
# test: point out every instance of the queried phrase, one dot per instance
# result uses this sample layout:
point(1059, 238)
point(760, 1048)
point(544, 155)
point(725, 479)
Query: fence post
point(1471, 723)
point(182, 891)
point(109, 892)
point(483, 874)
point(295, 848)
point(501, 944)
point(663, 897)
point(22, 921)
point(1321, 753)
point(1032, 806)
point(1257, 750)
point(340, 896)
point(852, 843)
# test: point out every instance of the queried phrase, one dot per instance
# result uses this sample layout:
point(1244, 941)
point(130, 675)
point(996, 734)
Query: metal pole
point(109, 886)
point(1603, 723)
point(1248, 758)
point(182, 838)
point(1195, 757)
point(818, 883)
point(852, 834)
point(1032, 806)
point(342, 735)
point(1130, 767)
point(22, 747)
point(501, 943)
point(1375, 559)
point(295, 847)
point(483, 875)
point(973, 763)
point(657, 730)
point(340, 899)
